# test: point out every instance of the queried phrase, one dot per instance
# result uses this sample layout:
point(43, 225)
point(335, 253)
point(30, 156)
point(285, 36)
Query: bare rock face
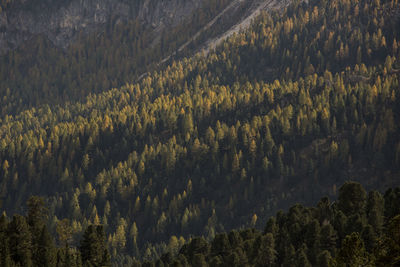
point(61, 22)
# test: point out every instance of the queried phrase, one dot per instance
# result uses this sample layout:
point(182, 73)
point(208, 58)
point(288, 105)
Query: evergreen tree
point(20, 241)
point(5, 256)
point(352, 252)
point(92, 247)
point(46, 254)
point(352, 198)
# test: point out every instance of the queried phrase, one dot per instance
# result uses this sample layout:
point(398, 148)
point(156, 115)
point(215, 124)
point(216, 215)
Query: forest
point(39, 73)
point(284, 112)
point(26, 241)
point(359, 229)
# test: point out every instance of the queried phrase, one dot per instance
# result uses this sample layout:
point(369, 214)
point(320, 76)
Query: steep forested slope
point(113, 53)
point(359, 230)
point(26, 241)
point(286, 111)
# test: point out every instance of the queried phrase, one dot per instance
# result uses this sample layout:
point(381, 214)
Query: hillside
point(284, 112)
point(62, 22)
point(54, 52)
point(359, 230)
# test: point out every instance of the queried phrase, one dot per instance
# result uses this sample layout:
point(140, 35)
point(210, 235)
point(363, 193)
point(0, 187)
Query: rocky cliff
point(60, 22)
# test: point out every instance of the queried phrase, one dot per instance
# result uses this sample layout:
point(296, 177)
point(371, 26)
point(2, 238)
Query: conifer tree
point(352, 252)
point(92, 247)
point(20, 241)
point(46, 254)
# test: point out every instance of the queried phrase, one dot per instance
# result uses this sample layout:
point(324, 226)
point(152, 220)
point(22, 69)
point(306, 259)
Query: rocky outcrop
point(61, 22)
point(244, 22)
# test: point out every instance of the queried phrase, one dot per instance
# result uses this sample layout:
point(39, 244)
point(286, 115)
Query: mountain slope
point(358, 229)
point(62, 22)
point(281, 113)
point(54, 50)
point(245, 22)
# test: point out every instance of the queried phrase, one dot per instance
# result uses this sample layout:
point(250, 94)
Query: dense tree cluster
point(359, 229)
point(283, 112)
point(38, 73)
point(26, 241)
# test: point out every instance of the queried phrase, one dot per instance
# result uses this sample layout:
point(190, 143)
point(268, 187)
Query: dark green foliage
point(36, 219)
point(301, 258)
point(37, 212)
point(266, 254)
point(197, 246)
point(38, 73)
point(20, 241)
point(46, 252)
point(5, 256)
point(392, 202)
point(370, 237)
point(286, 111)
point(93, 249)
point(220, 243)
point(324, 259)
point(375, 210)
point(352, 252)
point(314, 243)
point(390, 251)
point(328, 238)
point(19, 248)
point(352, 198)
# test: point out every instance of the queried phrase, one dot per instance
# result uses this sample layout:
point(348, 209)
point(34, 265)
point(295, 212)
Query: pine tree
point(301, 258)
point(352, 198)
point(20, 241)
point(46, 254)
point(391, 244)
point(64, 231)
point(325, 259)
point(92, 248)
point(267, 254)
point(328, 238)
point(375, 210)
point(37, 214)
point(5, 257)
point(352, 252)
